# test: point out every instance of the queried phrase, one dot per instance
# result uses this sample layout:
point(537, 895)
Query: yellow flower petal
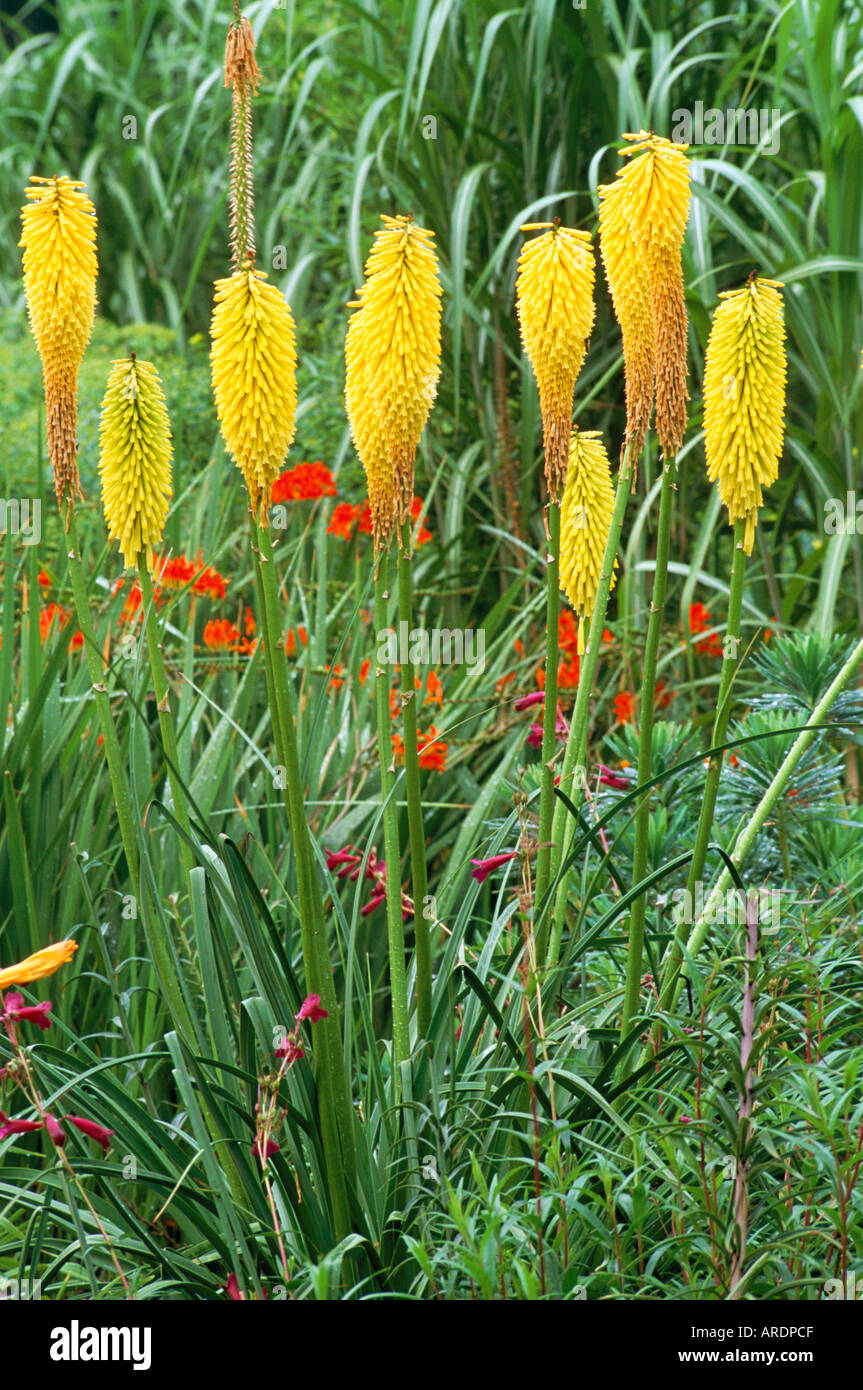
point(585, 521)
point(37, 966)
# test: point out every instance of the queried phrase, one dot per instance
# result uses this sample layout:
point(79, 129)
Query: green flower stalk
point(392, 365)
point(253, 363)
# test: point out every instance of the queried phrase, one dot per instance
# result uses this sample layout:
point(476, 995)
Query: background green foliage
point(530, 102)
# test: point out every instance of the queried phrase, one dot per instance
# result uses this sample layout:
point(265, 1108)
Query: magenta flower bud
point(17, 1011)
point(525, 701)
point(102, 1135)
point(272, 1148)
point(534, 738)
point(311, 1009)
point(55, 1133)
point(483, 867)
point(8, 1126)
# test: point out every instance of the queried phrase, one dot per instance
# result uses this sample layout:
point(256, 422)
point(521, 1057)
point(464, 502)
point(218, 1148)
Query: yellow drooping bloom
point(37, 966)
point(585, 521)
point(253, 364)
point(642, 221)
point(744, 398)
point(135, 458)
point(554, 302)
point(392, 355)
point(59, 241)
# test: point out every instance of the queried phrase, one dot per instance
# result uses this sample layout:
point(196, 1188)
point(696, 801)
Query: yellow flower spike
point(744, 398)
point(554, 303)
point(368, 440)
point(36, 967)
point(59, 240)
point(135, 458)
point(395, 347)
point(642, 224)
point(253, 365)
point(585, 521)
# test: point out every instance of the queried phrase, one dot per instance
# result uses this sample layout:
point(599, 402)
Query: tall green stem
point(563, 828)
point(419, 871)
point(720, 728)
point(645, 745)
point(395, 925)
point(670, 985)
point(119, 783)
point(549, 714)
point(166, 719)
point(335, 1112)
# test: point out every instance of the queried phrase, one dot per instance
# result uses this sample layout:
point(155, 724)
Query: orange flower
point(220, 635)
point(336, 674)
point(175, 573)
point(567, 674)
point(44, 579)
point(291, 640)
point(434, 689)
point(304, 483)
point(416, 510)
point(504, 681)
point(699, 618)
point(567, 632)
point(398, 748)
point(343, 520)
point(209, 581)
point(364, 670)
point(432, 750)
point(662, 696)
point(366, 523)
point(607, 635)
point(47, 617)
point(624, 707)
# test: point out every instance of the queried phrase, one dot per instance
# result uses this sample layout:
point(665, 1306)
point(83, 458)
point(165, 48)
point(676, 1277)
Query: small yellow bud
point(585, 521)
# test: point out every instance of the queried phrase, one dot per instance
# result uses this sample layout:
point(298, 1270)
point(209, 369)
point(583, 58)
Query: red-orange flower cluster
point(304, 483)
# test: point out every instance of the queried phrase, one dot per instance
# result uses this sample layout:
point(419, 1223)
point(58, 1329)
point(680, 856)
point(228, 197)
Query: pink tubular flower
point(611, 779)
point(373, 903)
point(8, 1126)
point(534, 738)
point(525, 701)
point(311, 1009)
point(17, 1011)
point(290, 1050)
point(102, 1135)
point(232, 1289)
point(483, 867)
point(55, 1133)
